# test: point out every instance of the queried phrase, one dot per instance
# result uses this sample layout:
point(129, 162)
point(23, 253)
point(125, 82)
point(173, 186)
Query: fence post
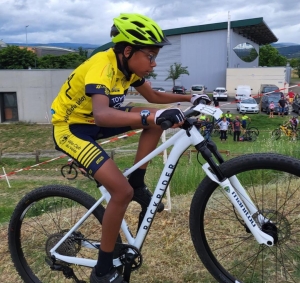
point(112, 154)
point(37, 156)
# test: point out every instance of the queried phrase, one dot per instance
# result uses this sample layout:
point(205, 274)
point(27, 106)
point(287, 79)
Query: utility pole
point(26, 34)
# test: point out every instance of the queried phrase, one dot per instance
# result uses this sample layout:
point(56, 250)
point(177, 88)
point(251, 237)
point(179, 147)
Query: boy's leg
point(121, 194)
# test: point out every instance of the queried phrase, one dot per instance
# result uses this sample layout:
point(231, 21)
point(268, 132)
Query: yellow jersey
point(101, 75)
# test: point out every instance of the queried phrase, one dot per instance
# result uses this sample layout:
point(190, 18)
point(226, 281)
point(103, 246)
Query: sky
point(89, 21)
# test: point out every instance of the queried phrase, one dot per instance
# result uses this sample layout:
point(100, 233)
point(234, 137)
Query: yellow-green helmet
point(137, 29)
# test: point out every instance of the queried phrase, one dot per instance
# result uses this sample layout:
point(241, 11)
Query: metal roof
point(254, 29)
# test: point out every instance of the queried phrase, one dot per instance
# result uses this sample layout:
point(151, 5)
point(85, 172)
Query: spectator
point(223, 129)
point(236, 126)
point(207, 128)
point(228, 116)
point(291, 96)
point(282, 104)
point(216, 102)
point(271, 107)
point(245, 118)
point(202, 117)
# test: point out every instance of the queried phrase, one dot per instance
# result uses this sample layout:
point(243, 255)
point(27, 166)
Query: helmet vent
point(136, 34)
point(141, 25)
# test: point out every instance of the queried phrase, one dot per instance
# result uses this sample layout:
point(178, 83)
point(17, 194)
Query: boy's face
point(143, 61)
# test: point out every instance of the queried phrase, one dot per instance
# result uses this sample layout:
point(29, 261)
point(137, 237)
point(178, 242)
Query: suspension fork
point(213, 171)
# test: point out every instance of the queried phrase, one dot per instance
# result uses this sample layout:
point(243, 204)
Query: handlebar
point(195, 111)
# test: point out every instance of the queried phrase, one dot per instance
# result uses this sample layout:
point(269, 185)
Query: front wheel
point(40, 220)
point(222, 240)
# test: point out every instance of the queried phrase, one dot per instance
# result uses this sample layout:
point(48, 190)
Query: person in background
point(245, 119)
point(216, 102)
point(202, 117)
point(223, 124)
point(228, 116)
point(207, 128)
point(271, 107)
point(236, 126)
point(282, 104)
point(291, 96)
point(89, 107)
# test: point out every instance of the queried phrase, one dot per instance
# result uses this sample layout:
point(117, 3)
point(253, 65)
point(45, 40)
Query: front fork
point(235, 192)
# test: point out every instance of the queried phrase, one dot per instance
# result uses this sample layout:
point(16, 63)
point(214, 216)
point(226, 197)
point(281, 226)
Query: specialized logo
point(227, 189)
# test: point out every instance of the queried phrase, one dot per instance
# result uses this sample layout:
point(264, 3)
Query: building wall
point(35, 91)
point(205, 55)
point(254, 77)
point(167, 56)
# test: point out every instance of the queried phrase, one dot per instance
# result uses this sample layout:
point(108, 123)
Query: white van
point(198, 89)
point(242, 92)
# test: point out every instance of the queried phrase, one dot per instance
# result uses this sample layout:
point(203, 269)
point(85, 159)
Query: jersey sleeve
point(98, 79)
point(138, 82)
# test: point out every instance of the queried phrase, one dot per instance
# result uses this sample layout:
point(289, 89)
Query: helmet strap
point(124, 66)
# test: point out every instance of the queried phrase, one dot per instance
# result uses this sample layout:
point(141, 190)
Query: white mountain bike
point(244, 219)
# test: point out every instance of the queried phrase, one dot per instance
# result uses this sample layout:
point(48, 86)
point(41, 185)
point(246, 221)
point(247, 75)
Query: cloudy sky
point(89, 21)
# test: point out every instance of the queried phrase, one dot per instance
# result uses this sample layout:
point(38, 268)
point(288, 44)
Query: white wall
point(255, 77)
point(35, 89)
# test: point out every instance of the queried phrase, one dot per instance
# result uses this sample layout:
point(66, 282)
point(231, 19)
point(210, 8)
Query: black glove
point(173, 115)
point(200, 98)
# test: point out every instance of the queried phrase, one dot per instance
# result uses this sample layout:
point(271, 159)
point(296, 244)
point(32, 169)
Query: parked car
point(179, 89)
point(198, 89)
point(242, 92)
point(248, 105)
point(220, 93)
point(267, 88)
point(160, 89)
point(296, 106)
point(275, 97)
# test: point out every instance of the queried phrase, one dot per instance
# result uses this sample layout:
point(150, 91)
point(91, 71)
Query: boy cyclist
point(89, 107)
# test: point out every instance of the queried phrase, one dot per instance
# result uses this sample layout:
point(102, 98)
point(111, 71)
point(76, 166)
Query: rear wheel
point(223, 241)
point(40, 220)
point(276, 134)
point(254, 130)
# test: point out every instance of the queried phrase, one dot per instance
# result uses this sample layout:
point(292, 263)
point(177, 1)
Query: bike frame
point(180, 142)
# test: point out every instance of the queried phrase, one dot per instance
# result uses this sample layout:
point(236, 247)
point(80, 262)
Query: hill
point(287, 49)
point(68, 45)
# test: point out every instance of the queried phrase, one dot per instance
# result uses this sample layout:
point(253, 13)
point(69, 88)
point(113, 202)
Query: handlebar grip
point(166, 124)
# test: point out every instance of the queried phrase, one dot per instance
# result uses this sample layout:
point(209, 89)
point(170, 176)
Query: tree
point(67, 61)
point(82, 52)
point(151, 75)
point(269, 56)
point(175, 71)
point(13, 57)
point(295, 64)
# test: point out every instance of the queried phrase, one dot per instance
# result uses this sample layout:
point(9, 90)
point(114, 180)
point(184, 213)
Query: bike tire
point(221, 239)
point(69, 172)
point(38, 223)
point(251, 136)
point(276, 134)
point(254, 130)
point(298, 134)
